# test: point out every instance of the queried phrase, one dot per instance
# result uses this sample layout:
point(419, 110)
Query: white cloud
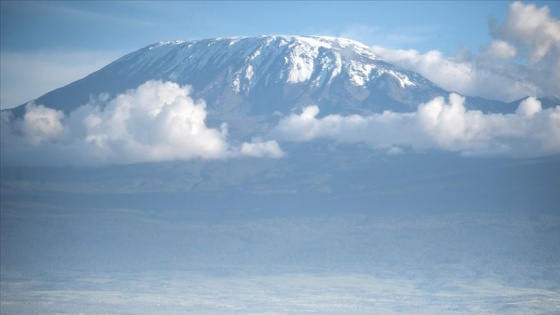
point(532, 28)
point(450, 125)
point(41, 124)
point(438, 124)
point(259, 148)
point(523, 59)
point(158, 121)
point(536, 35)
point(500, 49)
point(529, 107)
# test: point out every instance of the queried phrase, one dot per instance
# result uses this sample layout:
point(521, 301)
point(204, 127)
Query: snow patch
point(359, 72)
point(404, 81)
point(249, 72)
point(301, 63)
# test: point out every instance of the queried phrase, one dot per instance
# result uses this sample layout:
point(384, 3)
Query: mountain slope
point(261, 75)
point(390, 200)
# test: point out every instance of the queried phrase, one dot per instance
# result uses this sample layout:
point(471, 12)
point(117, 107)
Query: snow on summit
point(268, 70)
point(261, 75)
point(251, 60)
point(250, 87)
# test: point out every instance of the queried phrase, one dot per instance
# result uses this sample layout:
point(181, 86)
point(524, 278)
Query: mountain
point(261, 75)
point(393, 205)
point(254, 82)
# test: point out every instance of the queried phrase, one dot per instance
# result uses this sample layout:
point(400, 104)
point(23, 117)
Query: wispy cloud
point(96, 12)
point(394, 37)
point(25, 76)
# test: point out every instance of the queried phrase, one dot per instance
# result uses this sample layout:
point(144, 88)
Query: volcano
point(300, 168)
point(261, 75)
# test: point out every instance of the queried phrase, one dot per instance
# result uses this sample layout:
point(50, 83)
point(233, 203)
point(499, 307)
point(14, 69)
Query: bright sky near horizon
point(48, 44)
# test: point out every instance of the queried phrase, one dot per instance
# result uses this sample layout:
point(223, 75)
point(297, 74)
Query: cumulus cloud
point(531, 27)
point(500, 49)
point(523, 59)
point(529, 107)
point(536, 35)
point(158, 121)
point(438, 124)
point(41, 124)
point(259, 148)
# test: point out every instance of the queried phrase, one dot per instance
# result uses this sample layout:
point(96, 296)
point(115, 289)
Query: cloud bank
point(438, 124)
point(522, 59)
point(158, 121)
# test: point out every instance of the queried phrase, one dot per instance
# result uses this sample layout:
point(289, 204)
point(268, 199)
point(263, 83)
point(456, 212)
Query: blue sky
point(95, 25)
point(47, 44)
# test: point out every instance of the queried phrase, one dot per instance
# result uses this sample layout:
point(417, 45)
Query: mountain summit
point(280, 88)
point(261, 75)
point(311, 164)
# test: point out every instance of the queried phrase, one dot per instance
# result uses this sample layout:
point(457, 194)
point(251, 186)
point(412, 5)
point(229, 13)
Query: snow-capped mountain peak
point(230, 70)
point(293, 59)
point(262, 75)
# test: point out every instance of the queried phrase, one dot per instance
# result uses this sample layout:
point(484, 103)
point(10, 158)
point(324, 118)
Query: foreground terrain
point(424, 233)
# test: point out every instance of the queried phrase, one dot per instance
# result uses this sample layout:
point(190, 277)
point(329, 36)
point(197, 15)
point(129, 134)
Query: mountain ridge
point(241, 73)
point(257, 78)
